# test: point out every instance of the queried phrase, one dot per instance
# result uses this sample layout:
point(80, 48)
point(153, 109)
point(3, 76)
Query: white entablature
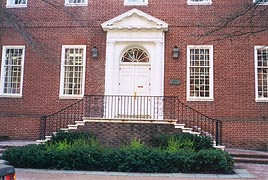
point(135, 19)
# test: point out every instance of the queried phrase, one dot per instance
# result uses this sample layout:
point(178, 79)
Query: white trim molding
point(135, 2)
point(200, 85)
point(203, 2)
point(12, 72)
point(77, 80)
point(261, 73)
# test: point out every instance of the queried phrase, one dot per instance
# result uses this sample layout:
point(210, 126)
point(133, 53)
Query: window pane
point(262, 72)
point(73, 71)
point(199, 72)
point(16, 2)
point(12, 70)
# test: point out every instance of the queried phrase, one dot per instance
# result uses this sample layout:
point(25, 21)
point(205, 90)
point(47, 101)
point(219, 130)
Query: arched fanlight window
point(135, 55)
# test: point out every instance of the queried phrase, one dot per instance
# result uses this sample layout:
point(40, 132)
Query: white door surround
point(135, 29)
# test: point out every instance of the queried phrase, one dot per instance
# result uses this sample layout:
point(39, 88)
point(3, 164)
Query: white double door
point(134, 89)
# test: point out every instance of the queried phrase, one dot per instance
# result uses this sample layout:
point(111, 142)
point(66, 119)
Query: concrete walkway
point(243, 171)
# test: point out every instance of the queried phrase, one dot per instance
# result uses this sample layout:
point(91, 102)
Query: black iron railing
point(132, 107)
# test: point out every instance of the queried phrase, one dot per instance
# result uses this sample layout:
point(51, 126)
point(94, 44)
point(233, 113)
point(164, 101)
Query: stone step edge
point(245, 155)
point(251, 160)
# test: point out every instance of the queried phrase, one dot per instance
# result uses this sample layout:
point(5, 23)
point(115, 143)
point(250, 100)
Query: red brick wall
point(246, 134)
point(234, 86)
point(19, 127)
point(115, 134)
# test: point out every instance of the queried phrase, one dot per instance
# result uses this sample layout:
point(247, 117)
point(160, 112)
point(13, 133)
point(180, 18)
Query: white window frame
point(211, 74)
point(127, 3)
point(260, 3)
point(66, 96)
point(257, 98)
point(3, 72)
point(67, 3)
point(10, 5)
point(191, 2)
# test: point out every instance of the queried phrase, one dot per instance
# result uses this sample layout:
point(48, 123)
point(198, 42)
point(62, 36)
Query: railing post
point(217, 133)
point(43, 123)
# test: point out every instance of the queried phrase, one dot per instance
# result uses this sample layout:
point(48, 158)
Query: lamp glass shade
point(95, 52)
point(175, 52)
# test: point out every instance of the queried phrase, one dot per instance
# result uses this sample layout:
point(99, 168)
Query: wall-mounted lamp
point(94, 52)
point(175, 52)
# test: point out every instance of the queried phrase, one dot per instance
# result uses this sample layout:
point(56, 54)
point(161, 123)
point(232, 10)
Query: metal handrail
point(132, 107)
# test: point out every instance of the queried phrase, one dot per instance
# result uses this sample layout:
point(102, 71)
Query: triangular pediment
point(134, 19)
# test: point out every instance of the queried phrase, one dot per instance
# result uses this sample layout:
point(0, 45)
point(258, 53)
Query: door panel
point(134, 83)
point(126, 84)
point(142, 80)
point(134, 80)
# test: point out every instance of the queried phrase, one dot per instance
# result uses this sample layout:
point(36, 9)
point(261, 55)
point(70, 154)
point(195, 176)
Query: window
point(136, 2)
point(16, 3)
point(12, 71)
point(199, 2)
point(76, 2)
point(261, 73)
point(261, 2)
point(200, 73)
point(135, 55)
point(73, 71)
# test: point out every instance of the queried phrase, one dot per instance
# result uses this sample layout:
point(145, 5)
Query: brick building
point(54, 53)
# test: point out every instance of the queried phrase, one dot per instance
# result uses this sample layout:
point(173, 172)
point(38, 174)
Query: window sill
point(17, 6)
point(199, 3)
point(71, 97)
point(136, 4)
point(262, 100)
point(10, 96)
point(200, 99)
point(74, 5)
point(263, 4)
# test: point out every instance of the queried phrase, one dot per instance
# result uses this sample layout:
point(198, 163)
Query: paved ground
point(245, 171)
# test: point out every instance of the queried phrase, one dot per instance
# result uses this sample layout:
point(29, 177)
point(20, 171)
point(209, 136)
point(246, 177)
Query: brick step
point(248, 155)
point(251, 160)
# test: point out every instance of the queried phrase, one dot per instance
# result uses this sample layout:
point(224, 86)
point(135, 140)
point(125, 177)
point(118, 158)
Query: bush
point(31, 156)
point(184, 140)
point(83, 152)
point(70, 136)
point(213, 161)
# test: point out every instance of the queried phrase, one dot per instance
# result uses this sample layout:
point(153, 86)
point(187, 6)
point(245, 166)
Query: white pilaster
point(109, 68)
point(157, 71)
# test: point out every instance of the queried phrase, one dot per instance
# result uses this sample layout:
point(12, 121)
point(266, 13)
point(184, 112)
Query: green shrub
point(213, 161)
point(175, 144)
point(85, 153)
point(70, 136)
point(134, 144)
point(31, 156)
point(185, 141)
